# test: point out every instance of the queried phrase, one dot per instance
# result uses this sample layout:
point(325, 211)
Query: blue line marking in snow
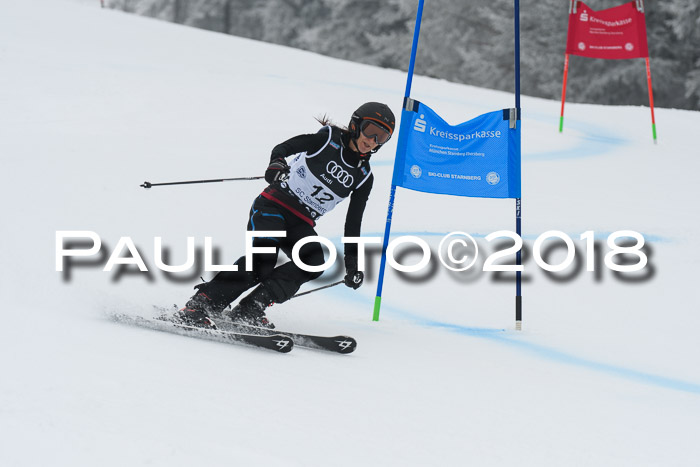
point(601, 367)
point(500, 336)
point(594, 141)
point(619, 371)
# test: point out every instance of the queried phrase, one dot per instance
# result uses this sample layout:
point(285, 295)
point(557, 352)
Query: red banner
point(615, 33)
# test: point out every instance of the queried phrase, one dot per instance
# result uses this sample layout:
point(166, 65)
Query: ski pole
point(189, 182)
point(317, 289)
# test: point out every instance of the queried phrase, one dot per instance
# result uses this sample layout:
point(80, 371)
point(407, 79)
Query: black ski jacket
point(332, 145)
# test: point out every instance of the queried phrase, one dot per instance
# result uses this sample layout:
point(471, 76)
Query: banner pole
point(563, 92)
point(518, 201)
point(572, 10)
point(651, 100)
point(382, 264)
point(392, 195)
point(518, 274)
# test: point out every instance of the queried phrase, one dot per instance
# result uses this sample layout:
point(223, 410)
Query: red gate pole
point(563, 92)
point(651, 100)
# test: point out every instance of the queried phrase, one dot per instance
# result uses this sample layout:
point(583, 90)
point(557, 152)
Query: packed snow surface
point(95, 101)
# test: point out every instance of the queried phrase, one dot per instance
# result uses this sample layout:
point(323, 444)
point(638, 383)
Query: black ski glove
point(277, 171)
point(353, 277)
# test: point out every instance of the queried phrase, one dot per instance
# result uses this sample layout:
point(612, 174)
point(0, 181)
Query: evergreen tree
point(465, 41)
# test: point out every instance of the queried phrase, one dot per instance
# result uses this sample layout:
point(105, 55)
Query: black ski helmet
point(375, 111)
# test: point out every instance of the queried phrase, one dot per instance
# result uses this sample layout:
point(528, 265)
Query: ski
point(339, 344)
point(273, 341)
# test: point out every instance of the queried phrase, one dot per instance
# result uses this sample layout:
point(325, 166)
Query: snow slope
point(94, 102)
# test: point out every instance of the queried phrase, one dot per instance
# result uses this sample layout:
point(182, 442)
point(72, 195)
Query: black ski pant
point(281, 281)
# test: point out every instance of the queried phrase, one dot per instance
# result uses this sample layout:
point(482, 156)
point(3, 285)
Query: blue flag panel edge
point(477, 158)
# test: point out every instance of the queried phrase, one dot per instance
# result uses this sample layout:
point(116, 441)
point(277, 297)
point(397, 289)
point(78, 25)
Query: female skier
point(329, 166)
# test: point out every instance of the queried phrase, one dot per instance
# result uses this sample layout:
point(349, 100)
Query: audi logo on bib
point(340, 174)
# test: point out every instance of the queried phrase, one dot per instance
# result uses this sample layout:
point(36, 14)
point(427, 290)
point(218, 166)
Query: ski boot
point(196, 312)
point(251, 309)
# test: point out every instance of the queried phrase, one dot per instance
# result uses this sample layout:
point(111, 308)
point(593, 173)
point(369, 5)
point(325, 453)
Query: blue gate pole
point(392, 195)
point(518, 202)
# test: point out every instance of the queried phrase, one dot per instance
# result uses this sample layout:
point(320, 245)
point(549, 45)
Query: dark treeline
point(465, 41)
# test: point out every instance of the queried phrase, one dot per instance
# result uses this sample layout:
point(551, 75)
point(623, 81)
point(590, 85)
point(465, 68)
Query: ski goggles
point(373, 131)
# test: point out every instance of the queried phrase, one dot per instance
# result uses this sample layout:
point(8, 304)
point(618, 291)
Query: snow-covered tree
point(465, 41)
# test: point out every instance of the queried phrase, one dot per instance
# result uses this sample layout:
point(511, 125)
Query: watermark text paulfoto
point(457, 251)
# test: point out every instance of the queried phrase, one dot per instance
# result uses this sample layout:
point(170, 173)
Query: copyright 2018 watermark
point(457, 251)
